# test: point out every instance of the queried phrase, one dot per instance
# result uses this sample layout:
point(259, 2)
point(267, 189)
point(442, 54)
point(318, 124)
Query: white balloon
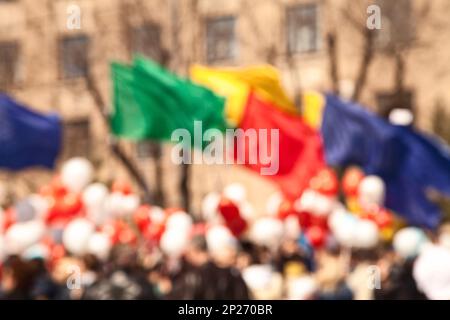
point(247, 211)
point(235, 192)
point(95, 195)
point(292, 227)
point(77, 234)
point(210, 206)
point(306, 202)
point(343, 227)
point(371, 190)
point(323, 205)
point(219, 237)
point(313, 202)
point(365, 235)
point(94, 198)
point(99, 245)
point(302, 288)
point(431, 272)
point(113, 204)
point(76, 174)
point(157, 215)
point(273, 204)
point(401, 117)
point(20, 236)
point(179, 221)
point(120, 205)
point(40, 205)
point(408, 242)
point(130, 203)
point(267, 232)
point(174, 243)
point(258, 277)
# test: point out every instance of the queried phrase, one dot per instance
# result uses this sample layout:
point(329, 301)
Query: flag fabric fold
point(27, 138)
point(409, 162)
point(236, 84)
point(150, 102)
point(300, 147)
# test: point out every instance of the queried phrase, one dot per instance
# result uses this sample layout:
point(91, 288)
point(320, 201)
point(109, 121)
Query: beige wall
point(37, 24)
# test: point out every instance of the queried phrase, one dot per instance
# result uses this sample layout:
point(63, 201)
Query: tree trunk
point(365, 65)
point(333, 60)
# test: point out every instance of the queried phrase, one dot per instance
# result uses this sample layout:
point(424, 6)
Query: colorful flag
point(300, 153)
point(236, 84)
point(150, 102)
point(27, 138)
point(409, 162)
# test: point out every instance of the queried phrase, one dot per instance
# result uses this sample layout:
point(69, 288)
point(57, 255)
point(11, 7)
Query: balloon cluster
point(73, 215)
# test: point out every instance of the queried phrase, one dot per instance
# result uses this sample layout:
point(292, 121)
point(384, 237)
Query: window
point(76, 138)
point(220, 39)
point(387, 101)
point(73, 53)
point(302, 28)
point(9, 52)
point(146, 40)
point(397, 26)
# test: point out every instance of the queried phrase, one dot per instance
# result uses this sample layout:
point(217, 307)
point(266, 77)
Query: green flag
point(149, 102)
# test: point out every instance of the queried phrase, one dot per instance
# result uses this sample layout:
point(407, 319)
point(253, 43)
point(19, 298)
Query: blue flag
point(27, 138)
point(409, 162)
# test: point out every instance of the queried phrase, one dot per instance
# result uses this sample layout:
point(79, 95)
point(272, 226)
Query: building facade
point(45, 57)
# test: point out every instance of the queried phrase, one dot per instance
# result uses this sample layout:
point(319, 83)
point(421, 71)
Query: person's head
point(197, 251)
point(16, 275)
point(123, 257)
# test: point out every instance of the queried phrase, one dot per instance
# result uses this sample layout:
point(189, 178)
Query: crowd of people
point(239, 271)
point(81, 240)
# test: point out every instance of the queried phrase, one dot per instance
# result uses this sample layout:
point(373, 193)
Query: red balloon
point(383, 218)
point(237, 226)
point(325, 182)
point(316, 236)
point(127, 236)
point(64, 208)
point(351, 180)
point(305, 219)
point(228, 210)
point(122, 186)
point(319, 221)
point(112, 229)
point(154, 232)
point(9, 218)
point(142, 217)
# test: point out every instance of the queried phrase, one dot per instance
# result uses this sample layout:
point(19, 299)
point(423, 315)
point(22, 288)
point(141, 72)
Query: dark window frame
point(13, 64)
point(70, 136)
point(62, 55)
point(294, 12)
point(211, 40)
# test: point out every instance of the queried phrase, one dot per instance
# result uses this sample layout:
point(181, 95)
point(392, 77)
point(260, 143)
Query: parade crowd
point(76, 239)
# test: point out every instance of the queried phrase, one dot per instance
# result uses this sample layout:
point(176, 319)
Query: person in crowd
point(201, 277)
point(123, 279)
point(17, 279)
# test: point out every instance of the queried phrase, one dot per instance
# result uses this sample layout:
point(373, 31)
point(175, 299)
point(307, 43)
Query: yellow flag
point(235, 85)
point(313, 104)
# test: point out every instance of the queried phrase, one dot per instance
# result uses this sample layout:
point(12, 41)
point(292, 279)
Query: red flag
point(300, 153)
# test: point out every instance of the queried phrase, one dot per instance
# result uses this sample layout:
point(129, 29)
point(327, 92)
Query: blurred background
point(322, 45)
point(50, 64)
